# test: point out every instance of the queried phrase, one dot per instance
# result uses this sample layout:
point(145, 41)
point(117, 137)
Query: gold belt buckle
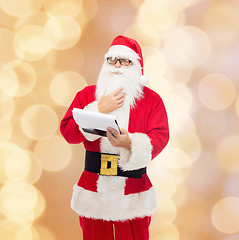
point(109, 165)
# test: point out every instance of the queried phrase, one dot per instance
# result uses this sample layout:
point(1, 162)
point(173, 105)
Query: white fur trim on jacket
point(113, 206)
point(94, 108)
point(140, 154)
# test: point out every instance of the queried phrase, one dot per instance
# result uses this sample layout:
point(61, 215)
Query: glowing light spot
point(169, 232)
point(161, 86)
point(220, 21)
point(135, 32)
point(154, 16)
point(45, 233)
point(190, 126)
point(18, 197)
point(225, 215)
point(181, 195)
point(178, 111)
point(27, 234)
point(216, 92)
point(89, 10)
point(194, 210)
point(166, 211)
point(30, 43)
point(163, 179)
point(189, 142)
point(35, 234)
point(40, 205)
point(180, 5)
point(35, 168)
point(6, 46)
point(39, 122)
point(39, 19)
point(172, 5)
point(167, 176)
point(155, 65)
point(183, 91)
point(18, 165)
point(65, 85)
point(62, 32)
point(27, 216)
point(10, 230)
point(228, 154)
point(27, 76)
point(71, 8)
point(8, 80)
point(6, 131)
point(7, 149)
point(21, 8)
point(162, 34)
point(176, 158)
point(191, 49)
point(68, 60)
point(54, 153)
point(17, 78)
point(7, 107)
point(183, 75)
point(202, 46)
point(181, 174)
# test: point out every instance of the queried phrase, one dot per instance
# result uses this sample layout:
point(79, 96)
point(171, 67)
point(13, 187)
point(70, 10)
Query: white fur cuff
point(140, 154)
point(94, 108)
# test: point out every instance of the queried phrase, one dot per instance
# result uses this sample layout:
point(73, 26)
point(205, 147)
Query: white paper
point(94, 120)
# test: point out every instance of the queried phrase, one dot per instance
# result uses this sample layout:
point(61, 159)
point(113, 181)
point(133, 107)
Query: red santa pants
point(97, 229)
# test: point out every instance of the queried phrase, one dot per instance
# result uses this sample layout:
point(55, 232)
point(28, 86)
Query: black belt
point(107, 164)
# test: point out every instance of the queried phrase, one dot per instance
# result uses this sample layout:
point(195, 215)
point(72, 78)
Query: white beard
point(128, 79)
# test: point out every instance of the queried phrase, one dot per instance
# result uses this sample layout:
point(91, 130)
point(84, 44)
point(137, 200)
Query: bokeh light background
point(51, 49)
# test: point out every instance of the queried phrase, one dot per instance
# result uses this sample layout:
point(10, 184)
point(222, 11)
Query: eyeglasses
point(122, 61)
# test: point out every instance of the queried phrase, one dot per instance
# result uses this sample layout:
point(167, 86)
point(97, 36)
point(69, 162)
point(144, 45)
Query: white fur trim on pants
point(113, 207)
point(140, 154)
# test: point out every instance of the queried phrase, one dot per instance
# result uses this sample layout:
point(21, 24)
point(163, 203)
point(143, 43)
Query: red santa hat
point(126, 47)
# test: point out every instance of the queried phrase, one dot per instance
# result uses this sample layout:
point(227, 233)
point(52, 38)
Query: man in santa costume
point(114, 197)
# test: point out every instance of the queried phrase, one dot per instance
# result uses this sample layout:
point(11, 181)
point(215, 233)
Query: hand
point(109, 103)
point(119, 140)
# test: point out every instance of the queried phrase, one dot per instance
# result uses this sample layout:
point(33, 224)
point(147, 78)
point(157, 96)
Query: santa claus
point(114, 197)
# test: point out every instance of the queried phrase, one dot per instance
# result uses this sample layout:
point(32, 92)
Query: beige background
point(51, 49)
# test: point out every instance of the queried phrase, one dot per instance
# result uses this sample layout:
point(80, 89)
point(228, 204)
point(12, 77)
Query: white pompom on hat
point(128, 48)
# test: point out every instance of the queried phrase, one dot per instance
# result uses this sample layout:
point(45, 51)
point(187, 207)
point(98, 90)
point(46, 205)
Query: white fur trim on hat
point(122, 51)
point(143, 80)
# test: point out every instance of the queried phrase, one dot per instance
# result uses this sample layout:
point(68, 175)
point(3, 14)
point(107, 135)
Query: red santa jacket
point(113, 197)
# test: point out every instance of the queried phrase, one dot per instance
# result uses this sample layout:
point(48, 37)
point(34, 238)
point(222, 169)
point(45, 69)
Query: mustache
point(118, 71)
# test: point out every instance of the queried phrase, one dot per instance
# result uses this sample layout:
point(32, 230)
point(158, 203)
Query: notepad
point(94, 122)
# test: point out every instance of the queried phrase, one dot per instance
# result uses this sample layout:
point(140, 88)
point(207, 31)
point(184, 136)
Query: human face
point(126, 77)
